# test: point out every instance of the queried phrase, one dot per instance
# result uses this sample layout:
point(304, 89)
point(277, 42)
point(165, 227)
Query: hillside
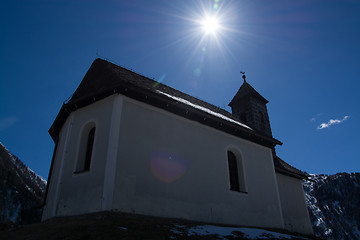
point(116, 226)
point(21, 191)
point(334, 205)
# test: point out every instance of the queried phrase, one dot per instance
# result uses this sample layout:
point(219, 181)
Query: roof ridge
point(178, 92)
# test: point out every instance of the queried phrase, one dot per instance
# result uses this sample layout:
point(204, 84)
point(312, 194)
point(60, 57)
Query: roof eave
point(167, 104)
point(290, 174)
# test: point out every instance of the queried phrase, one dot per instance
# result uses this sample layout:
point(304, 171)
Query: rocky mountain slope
point(334, 205)
point(21, 190)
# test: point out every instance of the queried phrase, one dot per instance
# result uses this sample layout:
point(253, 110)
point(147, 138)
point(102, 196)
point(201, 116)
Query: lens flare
point(159, 80)
point(216, 4)
point(168, 167)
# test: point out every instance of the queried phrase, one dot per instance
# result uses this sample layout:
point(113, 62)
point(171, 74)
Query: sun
point(210, 25)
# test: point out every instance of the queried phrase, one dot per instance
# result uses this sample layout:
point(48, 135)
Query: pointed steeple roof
point(245, 91)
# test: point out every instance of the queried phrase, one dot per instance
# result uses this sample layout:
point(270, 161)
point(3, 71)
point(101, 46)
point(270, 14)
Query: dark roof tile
point(282, 167)
point(247, 90)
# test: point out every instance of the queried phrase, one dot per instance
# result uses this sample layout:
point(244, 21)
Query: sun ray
point(210, 25)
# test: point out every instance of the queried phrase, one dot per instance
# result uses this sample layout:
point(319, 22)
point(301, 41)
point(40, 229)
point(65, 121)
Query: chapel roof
point(283, 167)
point(105, 78)
point(247, 90)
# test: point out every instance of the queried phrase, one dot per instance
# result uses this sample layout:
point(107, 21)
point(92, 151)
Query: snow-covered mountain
point(21, 190)
point(334, 205)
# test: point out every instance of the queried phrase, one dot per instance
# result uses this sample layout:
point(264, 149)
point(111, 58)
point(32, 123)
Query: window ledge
point(238, 191)
point(81, 172)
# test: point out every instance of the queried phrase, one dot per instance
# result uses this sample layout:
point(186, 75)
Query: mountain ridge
point(21, 190)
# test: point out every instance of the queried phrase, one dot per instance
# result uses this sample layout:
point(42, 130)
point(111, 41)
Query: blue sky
point(303, 56)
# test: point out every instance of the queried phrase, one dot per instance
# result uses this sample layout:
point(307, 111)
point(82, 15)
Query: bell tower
point(250, 107)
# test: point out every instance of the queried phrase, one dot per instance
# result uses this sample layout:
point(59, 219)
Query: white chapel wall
point(73, 193)
point(50, 205)
point(197, 187)
point(295, 213)
point(172, 167)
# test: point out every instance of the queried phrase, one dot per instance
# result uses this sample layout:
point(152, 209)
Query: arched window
point(233, 172)
point(236, 173)
point(86, 148)
point(89, 148)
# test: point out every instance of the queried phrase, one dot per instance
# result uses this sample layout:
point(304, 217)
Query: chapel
point(127, 143)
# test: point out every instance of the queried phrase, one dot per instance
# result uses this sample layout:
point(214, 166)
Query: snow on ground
point(224, 232)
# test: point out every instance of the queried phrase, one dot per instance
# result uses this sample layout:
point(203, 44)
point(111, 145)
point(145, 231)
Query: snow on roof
point(204, 109)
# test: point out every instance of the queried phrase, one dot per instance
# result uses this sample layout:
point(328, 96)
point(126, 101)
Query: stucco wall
point(152, 141)
point(164, 165)
point(50, 205)
point(73, 193)
point(294, 208)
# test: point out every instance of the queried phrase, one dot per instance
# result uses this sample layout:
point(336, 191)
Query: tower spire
point(243, 76)
point(250, 107)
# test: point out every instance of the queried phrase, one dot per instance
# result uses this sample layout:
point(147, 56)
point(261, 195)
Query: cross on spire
point(243, 76)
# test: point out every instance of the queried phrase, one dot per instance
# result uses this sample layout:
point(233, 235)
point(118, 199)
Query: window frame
point(236, 171)
point(233, 172)
point(85, 151)
point(89, 149)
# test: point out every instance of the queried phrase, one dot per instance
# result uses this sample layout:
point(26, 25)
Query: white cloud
point(7, 122)
point(331, 122)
